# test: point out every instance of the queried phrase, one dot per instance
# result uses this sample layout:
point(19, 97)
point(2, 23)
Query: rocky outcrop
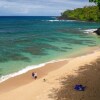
point(97, 31)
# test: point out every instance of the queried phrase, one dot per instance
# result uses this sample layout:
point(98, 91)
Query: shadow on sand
point(89, 76)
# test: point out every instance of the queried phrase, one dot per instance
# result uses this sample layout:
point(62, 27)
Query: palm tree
point(97, 2)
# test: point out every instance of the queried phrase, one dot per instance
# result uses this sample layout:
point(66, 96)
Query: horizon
point(29, 16)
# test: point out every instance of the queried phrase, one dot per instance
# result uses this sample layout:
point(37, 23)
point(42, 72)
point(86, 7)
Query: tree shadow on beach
point(88, 75)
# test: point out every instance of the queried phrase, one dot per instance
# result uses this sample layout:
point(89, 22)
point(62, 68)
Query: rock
point(97, 31)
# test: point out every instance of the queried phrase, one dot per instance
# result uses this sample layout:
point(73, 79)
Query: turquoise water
point(26, 41)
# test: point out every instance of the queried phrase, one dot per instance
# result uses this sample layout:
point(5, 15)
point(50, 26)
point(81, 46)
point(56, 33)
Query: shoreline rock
point(97, 31)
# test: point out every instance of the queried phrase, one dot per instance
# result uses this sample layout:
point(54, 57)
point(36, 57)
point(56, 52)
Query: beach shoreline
point(26, 78)
point(82, 52)
point(51, 72)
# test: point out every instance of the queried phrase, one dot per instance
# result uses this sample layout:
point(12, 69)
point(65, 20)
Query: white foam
point(53, 20)
point(89, 30)
point(59, 20)
point(71, 20)
point(4, 78)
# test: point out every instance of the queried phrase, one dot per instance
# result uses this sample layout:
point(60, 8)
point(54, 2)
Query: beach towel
point(79, 87)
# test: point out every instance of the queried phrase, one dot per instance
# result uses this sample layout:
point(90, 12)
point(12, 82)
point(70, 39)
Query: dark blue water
point(26, 41)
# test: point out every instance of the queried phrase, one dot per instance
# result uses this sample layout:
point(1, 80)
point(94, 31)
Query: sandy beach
point(24, 87)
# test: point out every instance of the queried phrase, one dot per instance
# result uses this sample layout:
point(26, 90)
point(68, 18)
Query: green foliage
point(90, 13)
point(97, 2)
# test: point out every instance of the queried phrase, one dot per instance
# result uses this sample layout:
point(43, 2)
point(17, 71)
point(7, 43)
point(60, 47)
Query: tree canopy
point(97, 2)
point(90, 13)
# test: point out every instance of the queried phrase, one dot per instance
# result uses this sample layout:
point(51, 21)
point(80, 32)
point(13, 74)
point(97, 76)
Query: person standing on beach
point(35, 75)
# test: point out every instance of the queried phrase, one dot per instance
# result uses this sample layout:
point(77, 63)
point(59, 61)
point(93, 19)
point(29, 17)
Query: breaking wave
point(5, 77)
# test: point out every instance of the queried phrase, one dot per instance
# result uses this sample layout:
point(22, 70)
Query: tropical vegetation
point(97, 2)
point(88, 13)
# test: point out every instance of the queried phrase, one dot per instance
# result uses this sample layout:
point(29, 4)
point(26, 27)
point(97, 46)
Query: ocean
point(28, 42)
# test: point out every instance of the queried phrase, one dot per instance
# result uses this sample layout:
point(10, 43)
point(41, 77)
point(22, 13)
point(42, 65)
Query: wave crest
point(89, 30)
point(59, 20)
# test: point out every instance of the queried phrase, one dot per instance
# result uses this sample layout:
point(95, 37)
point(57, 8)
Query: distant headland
point(87, 13)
